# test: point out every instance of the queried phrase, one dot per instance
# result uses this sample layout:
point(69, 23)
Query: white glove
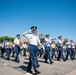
point(28, 31)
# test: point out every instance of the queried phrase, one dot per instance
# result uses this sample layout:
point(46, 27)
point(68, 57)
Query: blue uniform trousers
point(17, 50)
point(13, 52)
point(33, 57)
point(53, 52)
point(2, 52)
point(72, 53)
point(68, 53)
point(60, 54)
point(8, 51)
point(47, 54)
point(24, 51)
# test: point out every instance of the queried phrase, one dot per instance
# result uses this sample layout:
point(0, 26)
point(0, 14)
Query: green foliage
point(65, 40)
point(75, 46)
point(41, 38)
point(6, 38)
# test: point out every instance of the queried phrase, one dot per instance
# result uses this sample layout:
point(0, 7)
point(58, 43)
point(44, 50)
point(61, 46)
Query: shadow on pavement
point(26, 58)
point(24, 68)
point(25, 62)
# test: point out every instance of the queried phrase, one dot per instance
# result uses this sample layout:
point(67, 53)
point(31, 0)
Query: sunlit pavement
point(57, 68)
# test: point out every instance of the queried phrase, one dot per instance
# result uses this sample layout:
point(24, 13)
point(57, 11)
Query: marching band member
point(64, 52)
point(8, 46)
point(40, 51)
point(72, 49)
point(53, 46)
point(17, 47)
point(13, 50)
point(33, 43)
point(60, 52)
point(25, 47)
point(47, 43)
point(68, 49)
point(3, 50)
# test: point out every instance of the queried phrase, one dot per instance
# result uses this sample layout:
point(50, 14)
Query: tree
point(65, 40)
point(41, 36)
point(75, 46)
point(6, 38)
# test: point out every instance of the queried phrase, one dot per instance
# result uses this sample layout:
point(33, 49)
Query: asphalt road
point(57, 68)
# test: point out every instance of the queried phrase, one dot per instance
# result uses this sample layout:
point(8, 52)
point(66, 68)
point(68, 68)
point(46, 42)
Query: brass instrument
point(8, 44)
point(20, 43)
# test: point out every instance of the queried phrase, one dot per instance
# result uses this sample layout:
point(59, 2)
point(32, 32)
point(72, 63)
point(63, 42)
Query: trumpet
point(8, 44)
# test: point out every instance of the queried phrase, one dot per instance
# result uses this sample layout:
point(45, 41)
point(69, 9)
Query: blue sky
point(54, 17)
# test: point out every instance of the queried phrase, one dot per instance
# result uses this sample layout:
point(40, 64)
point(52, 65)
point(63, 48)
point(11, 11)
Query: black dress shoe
point(51, 62)
point(46, 62)
point(37, 72)
point(13, 56)
point(8, 58)
point(58, 59)
point(38, 66)
point(1, 56)
point(29, 71)
point(64, 60)
point(18, 61)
